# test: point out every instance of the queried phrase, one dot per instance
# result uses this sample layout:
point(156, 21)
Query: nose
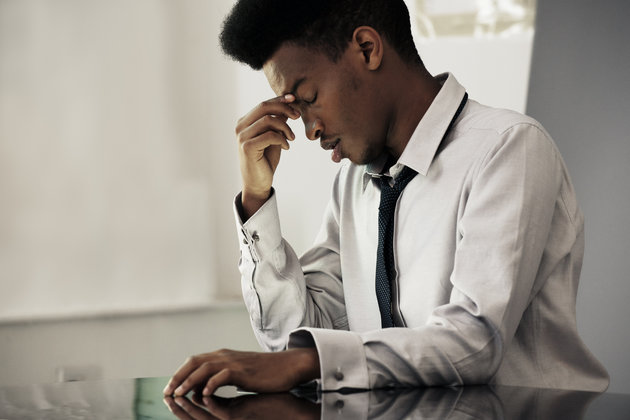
point(313, 128)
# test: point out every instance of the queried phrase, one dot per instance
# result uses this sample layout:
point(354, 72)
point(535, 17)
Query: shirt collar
point(426, 138)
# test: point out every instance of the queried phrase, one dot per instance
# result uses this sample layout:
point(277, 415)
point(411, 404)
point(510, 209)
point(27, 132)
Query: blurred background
point(118, 169)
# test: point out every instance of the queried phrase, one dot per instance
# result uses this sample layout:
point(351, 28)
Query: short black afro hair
point(255, 29)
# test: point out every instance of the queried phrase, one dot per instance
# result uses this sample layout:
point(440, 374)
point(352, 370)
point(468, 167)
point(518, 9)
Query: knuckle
point(194, 360)
point(205, 367)
point(246, 146)
point(273, 136)
point(263, 105)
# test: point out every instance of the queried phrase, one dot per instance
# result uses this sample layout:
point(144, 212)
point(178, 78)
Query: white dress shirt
point(488, 245)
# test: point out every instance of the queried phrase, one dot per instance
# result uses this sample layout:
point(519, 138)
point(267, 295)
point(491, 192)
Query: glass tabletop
point(142, 399)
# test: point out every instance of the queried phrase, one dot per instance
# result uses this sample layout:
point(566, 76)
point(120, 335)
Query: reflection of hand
point(260, 372)
point(262, 134)
point(262, 406)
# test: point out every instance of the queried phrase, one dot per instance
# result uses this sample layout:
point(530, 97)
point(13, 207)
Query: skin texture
point(260, 372)
point(365, 104)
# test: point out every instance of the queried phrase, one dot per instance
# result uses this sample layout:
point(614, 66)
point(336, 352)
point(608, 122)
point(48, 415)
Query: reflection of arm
point(475, 402)
point(503, 231)
point(283, 292)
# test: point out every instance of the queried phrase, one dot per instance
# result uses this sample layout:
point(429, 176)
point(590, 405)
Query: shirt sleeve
point(281, 291)
point(502, 233)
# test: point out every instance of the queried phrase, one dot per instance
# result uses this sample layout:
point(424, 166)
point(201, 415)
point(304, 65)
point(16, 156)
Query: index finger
point(278, 106)
point(180, 375)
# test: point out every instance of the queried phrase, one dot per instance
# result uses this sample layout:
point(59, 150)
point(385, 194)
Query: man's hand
point(260, 372)
point(262, 134)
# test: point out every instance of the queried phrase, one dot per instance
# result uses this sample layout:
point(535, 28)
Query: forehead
point(292, 63)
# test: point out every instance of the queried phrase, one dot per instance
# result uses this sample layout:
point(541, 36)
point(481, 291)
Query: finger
point(176, 409)
point(193, 410)
point(224, 377)
point(196, 378)
point(256, 147)
point(267, 123)
point(181, 374)
point(278, 106)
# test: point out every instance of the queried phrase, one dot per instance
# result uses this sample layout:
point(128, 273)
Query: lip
point(329, 144)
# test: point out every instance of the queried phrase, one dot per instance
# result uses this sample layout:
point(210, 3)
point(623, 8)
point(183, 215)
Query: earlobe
point(370, 45)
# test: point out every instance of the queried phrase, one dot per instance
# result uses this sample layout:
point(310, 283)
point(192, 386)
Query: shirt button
point(255, 237)
point(245, 241)
point(339, 405)
point(339, 375)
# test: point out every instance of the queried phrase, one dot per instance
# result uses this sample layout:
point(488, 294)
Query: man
point(451, 248)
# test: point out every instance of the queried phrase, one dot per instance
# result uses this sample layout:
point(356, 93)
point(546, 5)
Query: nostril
point(318, 133)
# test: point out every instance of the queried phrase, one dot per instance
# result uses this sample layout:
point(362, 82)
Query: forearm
point(281, 291)
point(468, 351)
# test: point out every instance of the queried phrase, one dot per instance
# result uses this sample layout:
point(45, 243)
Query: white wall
point(111, 141)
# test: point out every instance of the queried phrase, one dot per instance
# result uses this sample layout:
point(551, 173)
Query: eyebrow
point(295, 86)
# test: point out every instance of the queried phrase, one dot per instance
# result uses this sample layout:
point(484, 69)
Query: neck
point(413, 90)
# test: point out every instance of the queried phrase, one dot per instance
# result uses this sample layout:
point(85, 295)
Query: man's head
point(349, 64)
point(255, 29)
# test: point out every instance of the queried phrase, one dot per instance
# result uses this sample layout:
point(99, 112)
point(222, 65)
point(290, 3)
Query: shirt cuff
point(341, 357)
point(260, 234)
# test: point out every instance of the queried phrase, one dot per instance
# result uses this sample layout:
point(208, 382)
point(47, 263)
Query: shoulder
point(496, 120)
point(490, 130)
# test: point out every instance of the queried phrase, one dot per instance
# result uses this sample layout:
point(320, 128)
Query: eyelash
point(312, 101)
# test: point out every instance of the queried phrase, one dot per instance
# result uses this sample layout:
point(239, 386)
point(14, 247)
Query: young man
point(452, 245)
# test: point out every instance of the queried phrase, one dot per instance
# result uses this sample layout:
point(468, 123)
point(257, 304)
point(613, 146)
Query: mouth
point(329, 144)
point(334, 146)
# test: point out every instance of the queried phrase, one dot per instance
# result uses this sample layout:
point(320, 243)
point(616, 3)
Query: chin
point(368, 157)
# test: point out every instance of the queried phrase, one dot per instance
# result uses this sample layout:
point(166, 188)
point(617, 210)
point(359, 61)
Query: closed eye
point(312, 101)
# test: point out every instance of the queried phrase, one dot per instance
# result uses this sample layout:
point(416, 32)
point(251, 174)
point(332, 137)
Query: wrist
point(252, 201)
point(307, 363)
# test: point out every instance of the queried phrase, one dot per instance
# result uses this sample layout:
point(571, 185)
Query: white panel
point(106, 202)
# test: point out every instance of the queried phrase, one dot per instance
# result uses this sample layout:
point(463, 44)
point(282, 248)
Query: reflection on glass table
point(143, 399)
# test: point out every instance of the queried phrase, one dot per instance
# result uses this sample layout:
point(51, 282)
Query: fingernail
point(289, 97)
point(179, 391)
point(206, 392)
point(168, 389)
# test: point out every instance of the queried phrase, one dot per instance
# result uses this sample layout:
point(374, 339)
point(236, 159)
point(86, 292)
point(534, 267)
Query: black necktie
point(385, 267)
point(385, 254)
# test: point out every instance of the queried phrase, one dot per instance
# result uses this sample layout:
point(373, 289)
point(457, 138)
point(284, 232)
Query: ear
point(369, 43)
